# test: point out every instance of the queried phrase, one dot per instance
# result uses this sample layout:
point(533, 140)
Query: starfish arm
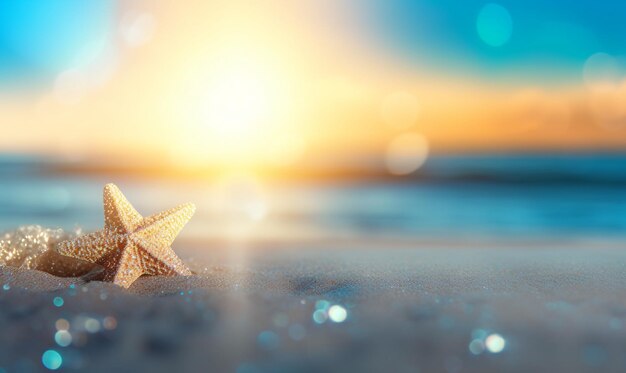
point(122, 267)
point(165, 263)
point(161, 229)
point(60, 265)
point(89, 247)
point(129, 245)
point(119, 214)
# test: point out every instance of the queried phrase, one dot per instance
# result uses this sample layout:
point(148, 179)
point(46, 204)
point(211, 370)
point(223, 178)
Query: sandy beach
point(418, 309)
point(312, 186)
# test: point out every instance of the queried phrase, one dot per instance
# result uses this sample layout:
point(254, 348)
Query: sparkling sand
point(332, 309)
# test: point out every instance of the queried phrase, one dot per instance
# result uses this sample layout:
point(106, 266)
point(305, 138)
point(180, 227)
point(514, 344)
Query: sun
point(240, 104)
point(235, 111)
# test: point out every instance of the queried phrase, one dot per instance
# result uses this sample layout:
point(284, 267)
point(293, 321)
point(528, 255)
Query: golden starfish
point(129, 245)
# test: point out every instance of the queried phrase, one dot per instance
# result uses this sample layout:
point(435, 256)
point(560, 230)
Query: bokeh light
point(62, 324)
point(92, 325)
point(406, 153)
point(337, 314)
point(63, 338)
point(320, 316)
point(51, 359)
point(58, 301)
point(494, 25)
point(109, 323)
point(495, 343)
point(601, 69)
point(476, 346)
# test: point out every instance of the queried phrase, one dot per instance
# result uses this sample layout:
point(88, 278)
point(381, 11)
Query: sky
point(509, 41)
point(282, 83)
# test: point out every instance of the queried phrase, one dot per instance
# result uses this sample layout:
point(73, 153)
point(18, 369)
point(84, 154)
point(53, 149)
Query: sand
point(409, 309)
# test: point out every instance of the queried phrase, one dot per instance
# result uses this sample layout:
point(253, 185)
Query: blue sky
point(545, 41)
point(549, 40)
point(39, 38)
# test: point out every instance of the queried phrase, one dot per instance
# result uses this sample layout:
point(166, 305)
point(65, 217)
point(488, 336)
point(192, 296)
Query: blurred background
point(319, 121)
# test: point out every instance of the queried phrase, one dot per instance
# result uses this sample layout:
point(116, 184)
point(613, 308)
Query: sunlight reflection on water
point(525, 202)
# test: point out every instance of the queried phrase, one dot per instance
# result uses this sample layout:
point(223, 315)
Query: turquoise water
point(571, 196)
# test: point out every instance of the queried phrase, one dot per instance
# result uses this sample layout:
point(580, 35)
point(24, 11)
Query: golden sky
point(272, 83)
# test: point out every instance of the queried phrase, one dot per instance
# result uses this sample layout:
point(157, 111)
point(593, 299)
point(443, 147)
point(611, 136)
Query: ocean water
point(450, 198)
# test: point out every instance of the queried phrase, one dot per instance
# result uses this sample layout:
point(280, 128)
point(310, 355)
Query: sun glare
point(238, 105)
point(238, 114)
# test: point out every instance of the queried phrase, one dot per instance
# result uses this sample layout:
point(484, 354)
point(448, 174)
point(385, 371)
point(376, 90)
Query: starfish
point(130, 245)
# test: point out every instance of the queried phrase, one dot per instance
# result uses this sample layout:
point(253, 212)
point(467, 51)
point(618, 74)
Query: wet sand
point(408, 309)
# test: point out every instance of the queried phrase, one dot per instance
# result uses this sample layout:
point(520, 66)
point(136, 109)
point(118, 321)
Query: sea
point(455, 197)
